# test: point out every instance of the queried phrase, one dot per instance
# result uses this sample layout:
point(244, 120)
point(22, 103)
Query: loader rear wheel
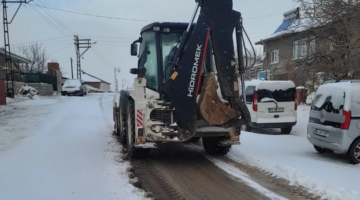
point(211, 146)
point(130, 130)
point(121, 130)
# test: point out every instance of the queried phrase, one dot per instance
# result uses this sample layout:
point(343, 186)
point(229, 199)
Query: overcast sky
point(55, 29)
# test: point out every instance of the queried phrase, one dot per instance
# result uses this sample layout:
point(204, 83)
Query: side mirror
point(134, 48)
point(134, 71)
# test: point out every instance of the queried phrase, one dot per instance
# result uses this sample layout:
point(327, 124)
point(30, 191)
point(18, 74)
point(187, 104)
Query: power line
point(60, 49)
point(263, 16)
point(41, 40)
point(129, 19)
point(58, 20)
point(100, 55)
point(92, 15)
point(57, 45)
point(49, 22)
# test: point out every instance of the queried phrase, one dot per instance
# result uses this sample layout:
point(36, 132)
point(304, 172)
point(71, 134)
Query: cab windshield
point(170, 43)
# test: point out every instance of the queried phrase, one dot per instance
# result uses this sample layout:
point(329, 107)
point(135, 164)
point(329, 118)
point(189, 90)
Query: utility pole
point(8, 68)
point(116, 73)
point(123, 84)
point(72, 71)
point(80, 44)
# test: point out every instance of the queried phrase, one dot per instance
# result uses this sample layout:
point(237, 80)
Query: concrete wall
point(43, 88)
point(59, 81)
point(17, 86)
point(105, 87)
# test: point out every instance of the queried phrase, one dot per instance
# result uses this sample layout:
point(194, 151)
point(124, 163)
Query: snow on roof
point(290, 25)
point(270, 85)
point(87, 78)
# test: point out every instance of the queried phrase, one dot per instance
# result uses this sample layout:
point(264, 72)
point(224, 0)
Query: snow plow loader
point(187, 84)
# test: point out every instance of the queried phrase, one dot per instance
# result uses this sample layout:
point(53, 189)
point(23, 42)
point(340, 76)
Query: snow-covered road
point(61, 148)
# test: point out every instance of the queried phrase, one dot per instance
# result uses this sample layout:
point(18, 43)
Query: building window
point(274, 56)
point(312, 45)
point(300, 49)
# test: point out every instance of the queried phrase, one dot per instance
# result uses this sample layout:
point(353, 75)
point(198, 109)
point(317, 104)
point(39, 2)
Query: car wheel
point(211, 146)
point(354, 152)
point(286, 130)
point(320, 149)
point(82, 93)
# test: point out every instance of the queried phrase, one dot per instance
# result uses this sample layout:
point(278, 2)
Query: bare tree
point(36, 54)
point(333, 32)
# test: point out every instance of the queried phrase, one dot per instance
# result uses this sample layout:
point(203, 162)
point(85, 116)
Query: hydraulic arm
point(216, 25)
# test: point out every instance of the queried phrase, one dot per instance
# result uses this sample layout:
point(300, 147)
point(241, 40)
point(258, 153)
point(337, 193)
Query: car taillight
point(346, 119)
point(255, 102)
point(296, 101)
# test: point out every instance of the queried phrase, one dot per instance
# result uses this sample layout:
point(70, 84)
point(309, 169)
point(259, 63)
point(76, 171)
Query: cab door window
point(148, 60)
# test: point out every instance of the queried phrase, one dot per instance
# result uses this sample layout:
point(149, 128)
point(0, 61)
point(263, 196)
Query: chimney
point(52, 68)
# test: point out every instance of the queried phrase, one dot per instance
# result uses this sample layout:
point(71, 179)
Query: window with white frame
point(312, 44)
point(275, 56)
point(300, 49)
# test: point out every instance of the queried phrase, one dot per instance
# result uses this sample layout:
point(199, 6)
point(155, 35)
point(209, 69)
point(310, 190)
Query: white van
point(334, 122)
point(272, 104)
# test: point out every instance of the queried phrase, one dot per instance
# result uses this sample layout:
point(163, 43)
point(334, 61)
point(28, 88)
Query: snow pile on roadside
point(310, 98)
point(28, 91)
point(16, 99)
point(293, 158)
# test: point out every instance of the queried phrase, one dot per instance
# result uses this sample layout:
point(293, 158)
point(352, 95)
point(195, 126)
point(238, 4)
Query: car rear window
point(331, 102)
point(286, 95)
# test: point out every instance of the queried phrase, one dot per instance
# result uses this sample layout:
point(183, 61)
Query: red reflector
point(346, 119)
point(255, 102)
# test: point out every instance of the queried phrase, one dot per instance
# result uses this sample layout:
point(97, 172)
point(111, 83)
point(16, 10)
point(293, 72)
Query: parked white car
point(334, 122)
point(74, 87)
point(272, 104)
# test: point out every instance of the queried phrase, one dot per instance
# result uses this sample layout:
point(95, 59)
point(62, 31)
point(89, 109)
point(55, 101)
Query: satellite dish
point(263, 57)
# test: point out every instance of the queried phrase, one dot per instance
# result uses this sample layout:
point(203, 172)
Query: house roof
point(15, 58)
point(292, 23)
point(90, 78)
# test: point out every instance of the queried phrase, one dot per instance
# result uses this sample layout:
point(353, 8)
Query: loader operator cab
point(158, 45)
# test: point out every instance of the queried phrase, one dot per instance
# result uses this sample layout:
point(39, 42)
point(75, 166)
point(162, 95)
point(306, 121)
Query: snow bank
point(310, 98)
point(28, 91)
point(293, 158)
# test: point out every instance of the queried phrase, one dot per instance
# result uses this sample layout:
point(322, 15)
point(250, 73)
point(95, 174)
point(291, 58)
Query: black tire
point(248, 128)
point(82, 93)
point(195, 139)
point(286, 130)
point(211, 146)
point(132, 152)
point(122, 128)
point(320, 149)
point(354, 152)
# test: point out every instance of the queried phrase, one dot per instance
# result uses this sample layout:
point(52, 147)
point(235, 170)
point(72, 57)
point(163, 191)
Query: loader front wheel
point(130, 136)
point(211, 146)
